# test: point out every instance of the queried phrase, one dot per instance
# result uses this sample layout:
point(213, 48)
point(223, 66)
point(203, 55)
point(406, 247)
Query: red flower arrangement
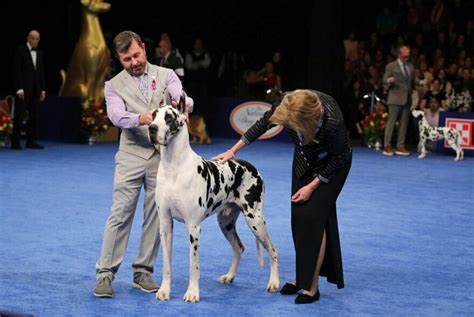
point(94, 118)
point(373, 126)
point(6, 126)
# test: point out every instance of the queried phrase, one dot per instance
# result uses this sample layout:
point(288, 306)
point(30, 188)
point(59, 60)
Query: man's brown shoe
point(402, 151)
point(388, 151)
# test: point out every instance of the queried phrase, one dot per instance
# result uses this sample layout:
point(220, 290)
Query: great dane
point(190, 189)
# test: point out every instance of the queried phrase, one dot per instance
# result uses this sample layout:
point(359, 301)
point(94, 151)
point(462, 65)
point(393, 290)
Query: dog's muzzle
point(153, 130)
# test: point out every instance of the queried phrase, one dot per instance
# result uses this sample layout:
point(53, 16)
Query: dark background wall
point(309, 33)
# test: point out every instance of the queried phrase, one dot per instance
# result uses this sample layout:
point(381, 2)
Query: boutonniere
point(153, 83)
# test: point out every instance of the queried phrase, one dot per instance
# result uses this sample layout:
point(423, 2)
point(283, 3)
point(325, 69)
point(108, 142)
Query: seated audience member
point(432, 117)
point(169, 59)
point(435, 91)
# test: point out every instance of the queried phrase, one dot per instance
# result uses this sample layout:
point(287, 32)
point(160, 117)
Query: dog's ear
point(182, 103)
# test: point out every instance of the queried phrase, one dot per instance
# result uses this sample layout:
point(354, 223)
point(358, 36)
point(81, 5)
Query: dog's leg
point(227, 223)
point(256, 222)
point(456, 147)
point(422, 148)
point(192, 293)
point(166, 234)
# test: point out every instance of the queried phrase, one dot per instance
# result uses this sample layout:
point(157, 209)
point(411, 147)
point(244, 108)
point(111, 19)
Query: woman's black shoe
point(306, 299)
point(289, 289)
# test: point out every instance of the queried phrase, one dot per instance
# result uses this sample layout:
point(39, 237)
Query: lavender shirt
point(124, 119)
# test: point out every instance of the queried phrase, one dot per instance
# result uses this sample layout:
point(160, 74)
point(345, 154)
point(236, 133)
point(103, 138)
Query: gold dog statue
point(89, 63)
point(197, 130)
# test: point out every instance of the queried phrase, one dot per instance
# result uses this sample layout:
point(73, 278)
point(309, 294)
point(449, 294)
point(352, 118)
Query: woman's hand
point(224, 157)
point(304, 193)
point(230, 153)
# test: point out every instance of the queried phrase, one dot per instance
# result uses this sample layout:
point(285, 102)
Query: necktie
point(142, 86)
point(405, 71)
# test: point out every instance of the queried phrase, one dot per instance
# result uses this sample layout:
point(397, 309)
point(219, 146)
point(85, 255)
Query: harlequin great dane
point(190, 189)
point(428, 132)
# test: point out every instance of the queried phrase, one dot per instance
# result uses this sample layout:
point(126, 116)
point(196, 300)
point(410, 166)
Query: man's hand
point(21, 94)
point(146, 117)
point(391, 79)
point(42, 96)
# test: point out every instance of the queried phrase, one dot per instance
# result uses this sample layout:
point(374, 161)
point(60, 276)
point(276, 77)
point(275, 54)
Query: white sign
point(246, 114)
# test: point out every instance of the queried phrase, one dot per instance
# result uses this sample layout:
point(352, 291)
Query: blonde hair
point(300, 111)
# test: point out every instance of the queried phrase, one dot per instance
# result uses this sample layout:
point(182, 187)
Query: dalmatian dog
point(190, 189)
point(428, 132)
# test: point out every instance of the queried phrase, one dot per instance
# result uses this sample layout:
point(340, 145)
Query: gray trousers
point(394, 111)
point(131, 172)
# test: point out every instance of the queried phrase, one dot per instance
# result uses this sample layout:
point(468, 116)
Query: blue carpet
point(406, 230)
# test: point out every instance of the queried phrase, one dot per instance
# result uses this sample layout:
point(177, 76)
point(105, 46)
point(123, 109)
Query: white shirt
point(33, 54)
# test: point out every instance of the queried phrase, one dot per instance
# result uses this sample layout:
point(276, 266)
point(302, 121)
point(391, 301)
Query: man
point(132, 96)
point(30, 91)
point(399, 75)
point(197, 64)
point(169, 59)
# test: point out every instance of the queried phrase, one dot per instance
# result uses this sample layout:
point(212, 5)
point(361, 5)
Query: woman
point(321, 162)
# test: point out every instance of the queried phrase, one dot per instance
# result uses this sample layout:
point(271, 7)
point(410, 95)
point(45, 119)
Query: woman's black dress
point(328, 157)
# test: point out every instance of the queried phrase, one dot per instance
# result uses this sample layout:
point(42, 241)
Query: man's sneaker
point(103, 287)
point(145, 282)
point(402, 151)
point(388, 151)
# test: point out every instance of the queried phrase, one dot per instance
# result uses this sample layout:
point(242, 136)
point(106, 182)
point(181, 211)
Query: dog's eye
point(153, 128)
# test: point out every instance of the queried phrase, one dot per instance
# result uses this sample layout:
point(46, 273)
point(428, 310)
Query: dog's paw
point(163, 294)
point(226, 279)
point(273, 287)
point(191, 295)
point(421, 156)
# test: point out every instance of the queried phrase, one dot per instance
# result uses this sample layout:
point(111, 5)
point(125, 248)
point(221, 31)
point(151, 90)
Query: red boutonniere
point(153, 83)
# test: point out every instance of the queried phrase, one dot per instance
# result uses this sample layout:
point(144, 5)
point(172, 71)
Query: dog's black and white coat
point(190, 189)
point(428, 132)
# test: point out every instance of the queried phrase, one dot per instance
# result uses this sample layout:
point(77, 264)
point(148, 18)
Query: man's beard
point(137, 70)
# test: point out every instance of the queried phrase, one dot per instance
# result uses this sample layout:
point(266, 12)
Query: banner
point(246, 114)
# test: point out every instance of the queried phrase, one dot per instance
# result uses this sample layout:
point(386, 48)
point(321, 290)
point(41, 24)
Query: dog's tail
point(259, 253)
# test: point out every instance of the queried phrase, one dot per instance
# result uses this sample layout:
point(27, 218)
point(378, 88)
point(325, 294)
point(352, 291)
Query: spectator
point(197, 65)
point(445, 84)
point(351, 46)
point(30, 91)
point(439, 15)
point(432, 117)
point(467, 80)
point(354, 109)
point(436, 92)
point(174, 50)
point(279, 67)
point(231, 69)
point(271, 82)
point(169, 59)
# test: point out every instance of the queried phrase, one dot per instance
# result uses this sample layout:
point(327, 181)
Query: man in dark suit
point(30, 90)
point(169, 59)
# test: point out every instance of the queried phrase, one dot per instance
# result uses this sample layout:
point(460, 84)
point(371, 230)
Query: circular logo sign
point(246, 114)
